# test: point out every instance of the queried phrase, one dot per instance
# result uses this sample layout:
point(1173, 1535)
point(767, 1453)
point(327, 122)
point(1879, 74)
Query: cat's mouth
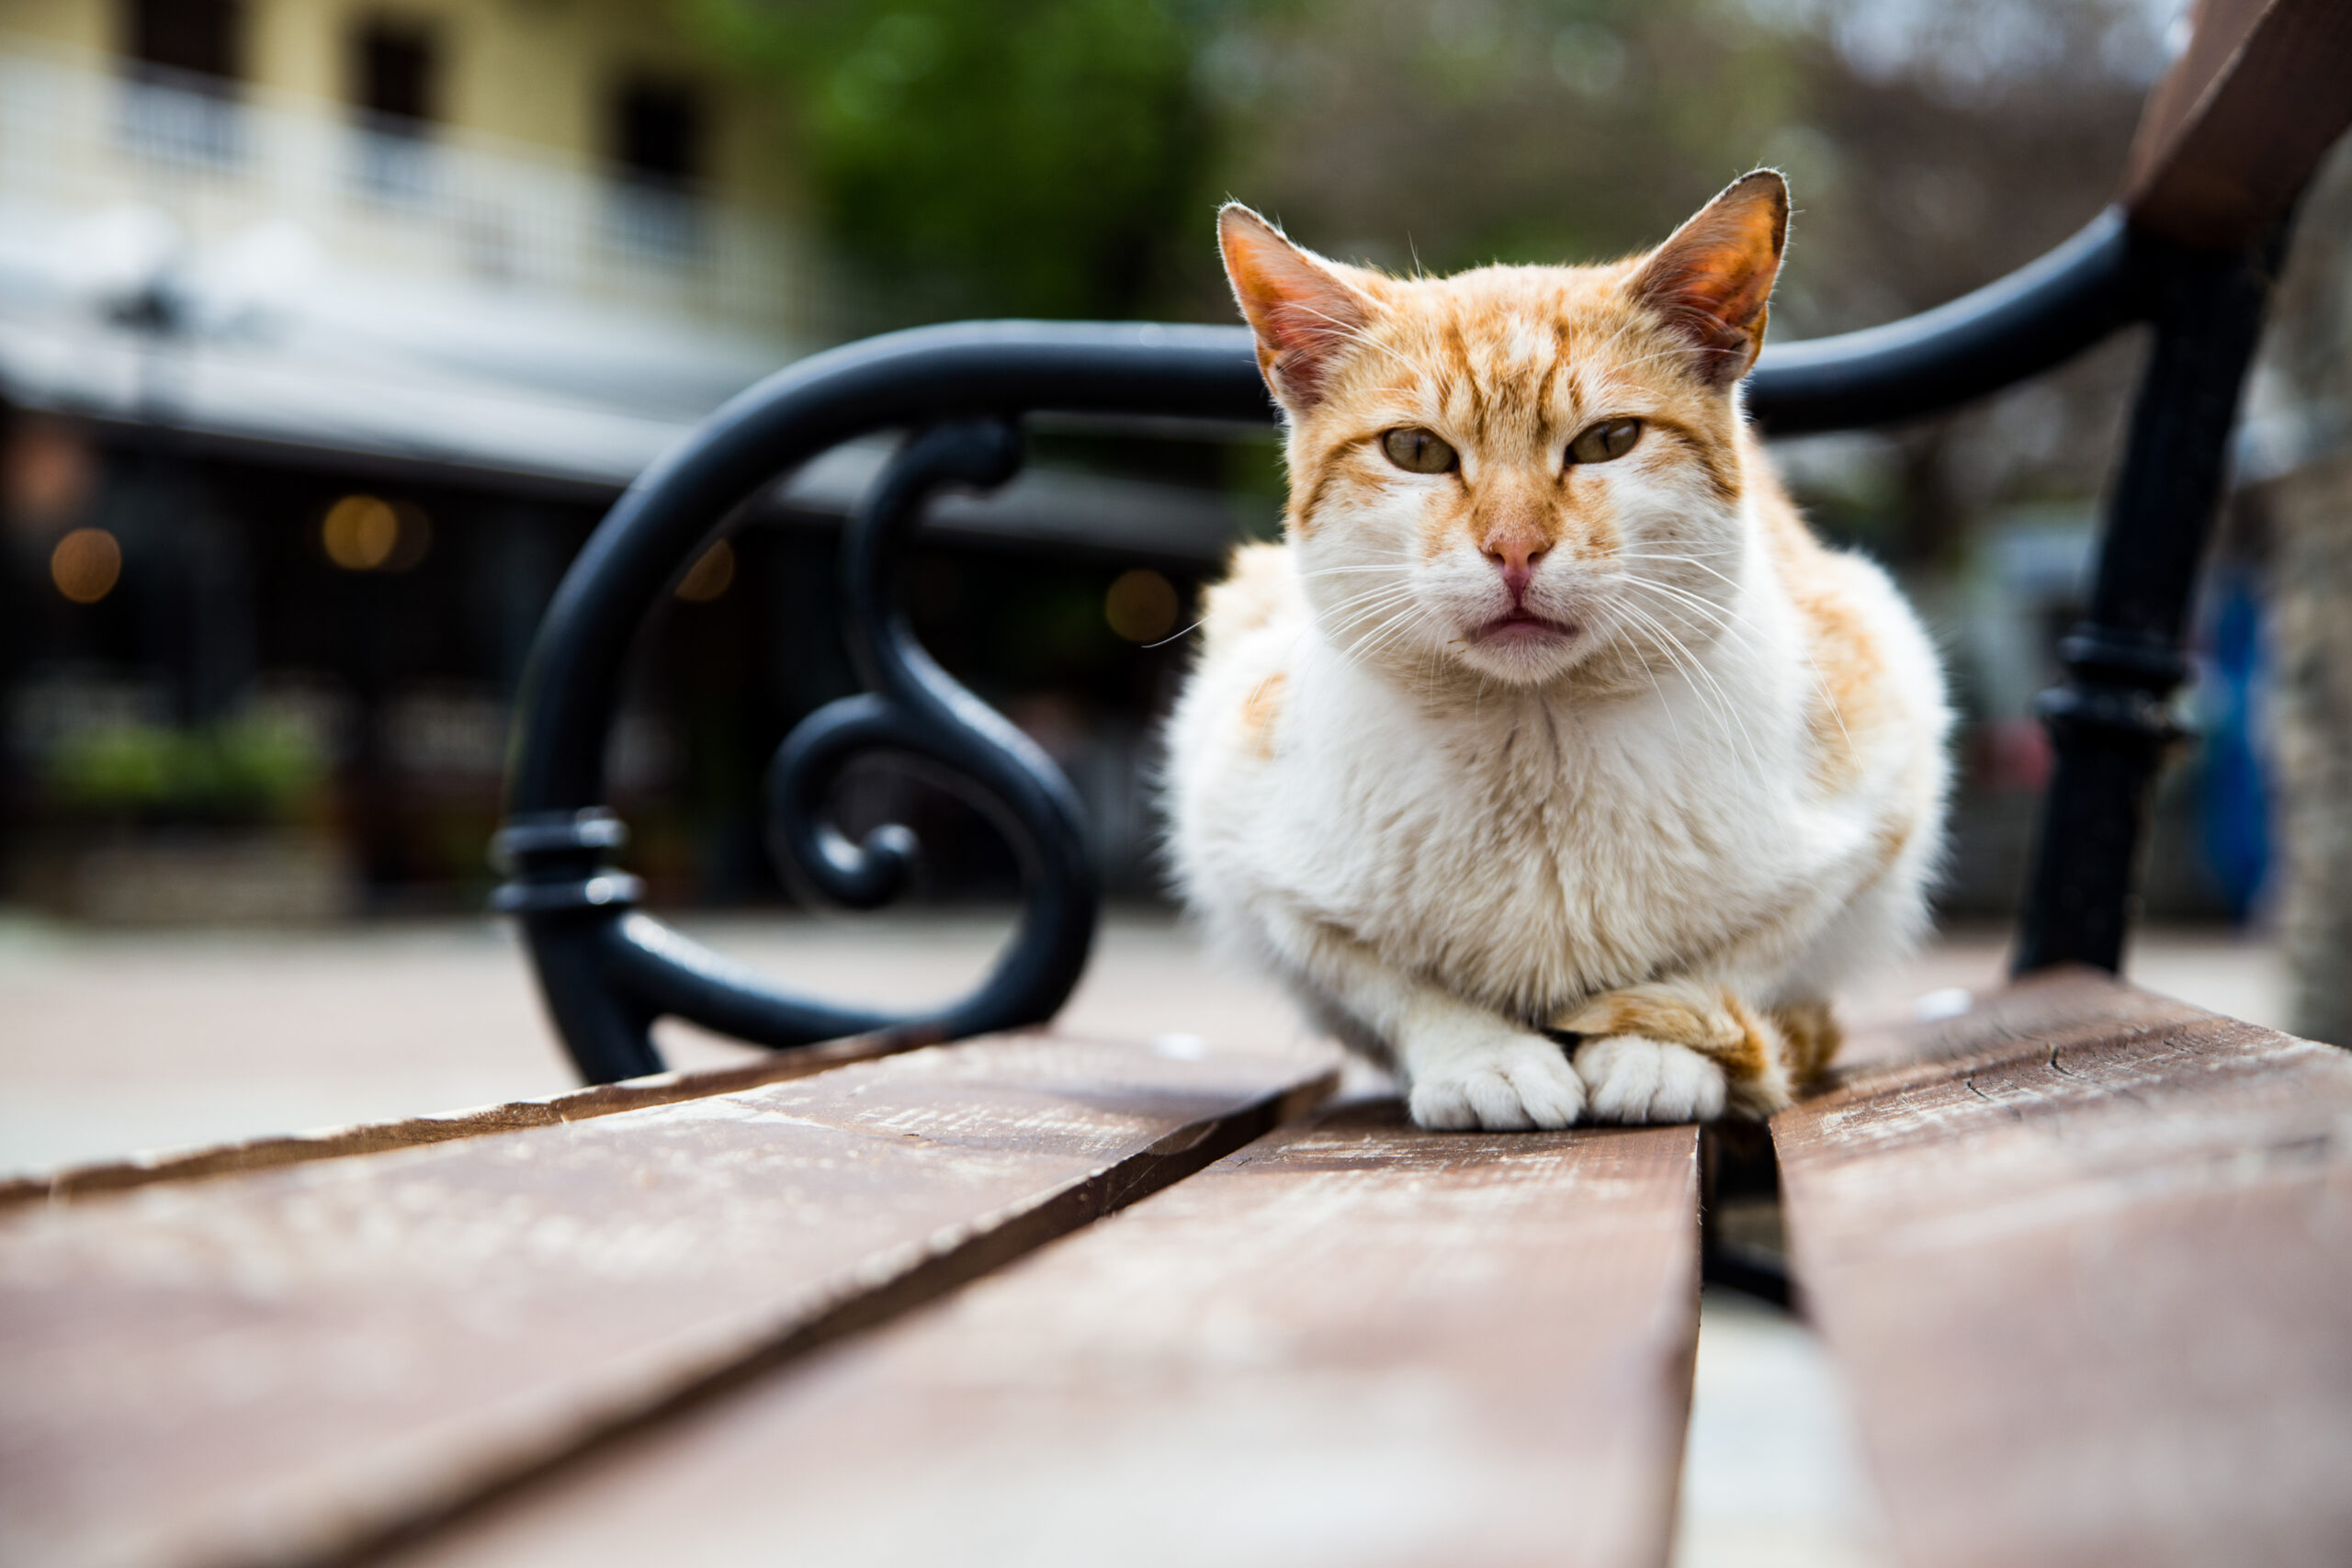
point(1524, 626)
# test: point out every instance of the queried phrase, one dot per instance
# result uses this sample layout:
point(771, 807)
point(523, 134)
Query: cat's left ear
point(1304, 314)
point(1712, 280)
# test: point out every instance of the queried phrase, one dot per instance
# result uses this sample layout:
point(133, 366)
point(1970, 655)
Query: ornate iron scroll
point(912, 710)
point(607, 971)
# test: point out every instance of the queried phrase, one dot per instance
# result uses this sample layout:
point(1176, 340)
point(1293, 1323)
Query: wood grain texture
point(290, 1364)
point(2087, 1269)
point(376, 1138)
point(1352, 1343)
point(2237, 129)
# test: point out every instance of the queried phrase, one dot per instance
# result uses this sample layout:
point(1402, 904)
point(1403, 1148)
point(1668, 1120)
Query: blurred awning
point(261, 271)
point(241, 400)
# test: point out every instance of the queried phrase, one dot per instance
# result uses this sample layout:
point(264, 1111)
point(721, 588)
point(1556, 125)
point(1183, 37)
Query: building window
point(198, 37)
point(657, 132)
point(184, 58)
point(657, 141)
point(396, 75)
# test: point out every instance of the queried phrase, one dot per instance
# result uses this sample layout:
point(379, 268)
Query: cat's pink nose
point(1515, 556)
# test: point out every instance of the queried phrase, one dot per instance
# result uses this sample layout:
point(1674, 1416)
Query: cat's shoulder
point(1235, 697)
point(1260, 587)
point(1844, 595)
point(1876, 686)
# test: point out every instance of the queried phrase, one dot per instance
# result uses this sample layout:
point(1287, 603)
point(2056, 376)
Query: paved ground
point(1770, 1475)
point(112, 1041)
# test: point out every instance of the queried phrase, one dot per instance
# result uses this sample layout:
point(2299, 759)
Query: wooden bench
point(2080, 1253)
point(2084, 1258)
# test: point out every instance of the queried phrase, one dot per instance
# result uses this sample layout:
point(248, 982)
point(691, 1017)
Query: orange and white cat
point(1550, 759)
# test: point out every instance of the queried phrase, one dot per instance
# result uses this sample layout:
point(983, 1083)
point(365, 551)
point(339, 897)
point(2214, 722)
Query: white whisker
point(1694, 669)
point(1820, 680)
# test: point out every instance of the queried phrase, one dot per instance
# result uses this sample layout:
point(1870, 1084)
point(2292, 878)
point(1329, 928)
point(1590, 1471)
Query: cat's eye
point(1419, 451)
point(1609, 438)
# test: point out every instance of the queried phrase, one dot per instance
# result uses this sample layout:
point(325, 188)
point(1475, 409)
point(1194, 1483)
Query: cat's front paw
point(1508, 1083)
point(1629, 1078)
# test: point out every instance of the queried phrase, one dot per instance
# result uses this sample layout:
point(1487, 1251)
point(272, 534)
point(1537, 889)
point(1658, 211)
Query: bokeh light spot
point(709, 577)
point(1141, 606)
point(85, 565)
point(360, 533)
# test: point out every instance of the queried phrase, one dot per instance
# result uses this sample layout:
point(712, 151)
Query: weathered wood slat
point(285, 1364)
point(2088, 1271)
point(2231, 134)
point(376, 1138)
point(1350, 1344)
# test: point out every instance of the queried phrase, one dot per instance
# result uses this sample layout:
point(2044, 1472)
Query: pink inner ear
point(1302, 314)
point(1302, 339)
point(1714, 278)
point(1727, 287)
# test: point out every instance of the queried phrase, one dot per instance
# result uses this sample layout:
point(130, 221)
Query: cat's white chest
point(1522, 855)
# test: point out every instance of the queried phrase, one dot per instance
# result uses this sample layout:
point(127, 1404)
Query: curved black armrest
point(607, 972)
point(2040, 315)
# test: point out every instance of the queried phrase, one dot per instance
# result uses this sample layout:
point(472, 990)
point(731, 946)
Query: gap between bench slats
point(2087, 1274)
point(290, 1364)
point(1351, 1344)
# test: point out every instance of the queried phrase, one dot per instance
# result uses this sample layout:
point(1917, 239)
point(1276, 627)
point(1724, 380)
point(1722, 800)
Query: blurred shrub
point(253, 768)
point(1026, 157)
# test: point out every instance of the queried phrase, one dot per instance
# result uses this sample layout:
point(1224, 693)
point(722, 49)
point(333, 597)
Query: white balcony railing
point(76, 135)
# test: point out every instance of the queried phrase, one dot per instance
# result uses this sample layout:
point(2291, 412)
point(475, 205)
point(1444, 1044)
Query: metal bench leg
point(2112, 722)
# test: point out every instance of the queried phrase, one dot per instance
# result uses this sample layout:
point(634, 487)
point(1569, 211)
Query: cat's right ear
point(1304, 312)
point(1712, 280)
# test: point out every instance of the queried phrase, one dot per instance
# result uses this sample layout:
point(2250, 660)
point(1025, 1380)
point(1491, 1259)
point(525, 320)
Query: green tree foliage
point(1028, 157)
point(1447, 133)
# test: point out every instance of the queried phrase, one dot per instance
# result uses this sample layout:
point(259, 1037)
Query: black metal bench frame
point(608, 970)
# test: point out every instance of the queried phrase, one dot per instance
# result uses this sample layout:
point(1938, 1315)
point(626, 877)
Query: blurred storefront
point(326, 335)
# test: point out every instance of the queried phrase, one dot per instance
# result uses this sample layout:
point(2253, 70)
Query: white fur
point(1439, 846)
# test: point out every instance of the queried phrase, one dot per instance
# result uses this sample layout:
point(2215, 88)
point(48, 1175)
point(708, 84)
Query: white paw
point(1634, 1079)
point(1508, 1084)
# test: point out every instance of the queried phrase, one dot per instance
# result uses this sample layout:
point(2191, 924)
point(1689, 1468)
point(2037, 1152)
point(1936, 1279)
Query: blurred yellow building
point(602, 80)
point(544, 234)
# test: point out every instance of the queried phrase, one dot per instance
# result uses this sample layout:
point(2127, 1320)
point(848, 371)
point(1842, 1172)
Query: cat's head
point(1519, 471)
